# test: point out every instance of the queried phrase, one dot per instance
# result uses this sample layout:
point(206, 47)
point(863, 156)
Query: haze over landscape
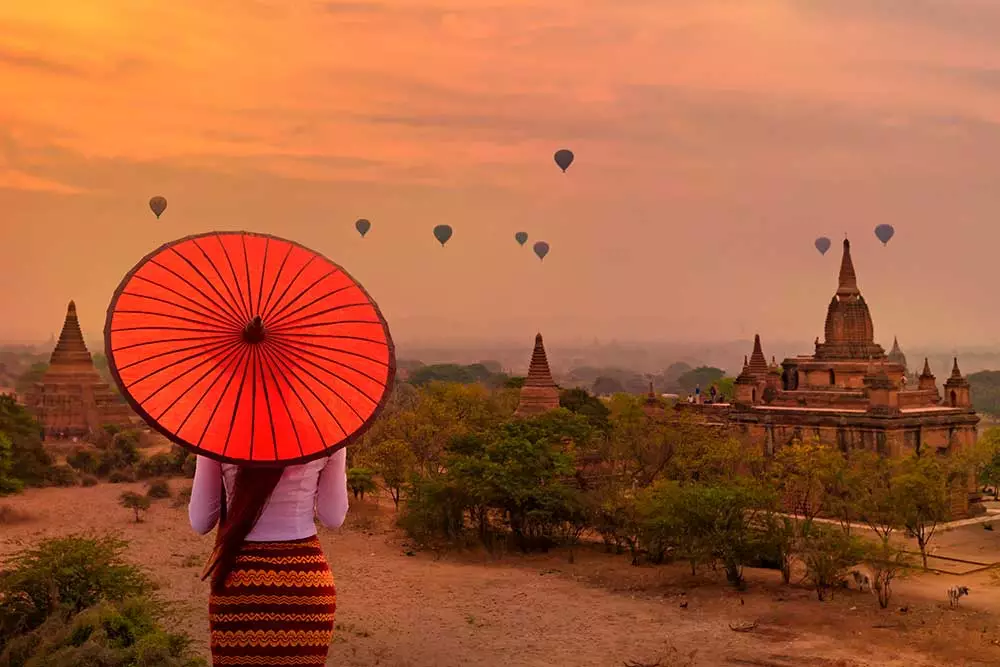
point(715, 140)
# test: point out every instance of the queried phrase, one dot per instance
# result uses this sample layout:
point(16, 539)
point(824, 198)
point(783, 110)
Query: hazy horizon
point(714, 141)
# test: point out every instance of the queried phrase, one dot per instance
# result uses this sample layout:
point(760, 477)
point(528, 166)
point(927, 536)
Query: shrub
point(10, 515)
point(122, 476)
point(122, 452)
point(89, 480)
point(158, 489)
point(85, 460)
point(74, 602)
point(70, 573)
point(187, 468)
point(136, 503)
point(361, 481)
point(183, 497)
point(62, 475)
point(157, 465)
point(828, 553)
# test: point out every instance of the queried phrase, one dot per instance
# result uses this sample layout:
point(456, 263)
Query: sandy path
point(416, 611)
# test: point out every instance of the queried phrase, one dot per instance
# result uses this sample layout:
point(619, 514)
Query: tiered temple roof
point(896, 355)
point(539, 393)
point(72, 399)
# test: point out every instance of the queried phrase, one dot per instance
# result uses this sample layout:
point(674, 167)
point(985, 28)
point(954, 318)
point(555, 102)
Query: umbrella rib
point(183, 339)
point(277, 386)
point(200, 346)
point(246, 265)
point(222, 305)
point(267, 315)
point(279, 314)
point(274, 283)
point(276, 320)
point(218, 316)
point(236, 281)
point(228, 359)
point(291, 374)
point(325, 311)
point(267, 399)
point(160, 370)
point(236, 403)
point(263, 270)
point(361, 339)
point(300, 355)
point(331, 323)
point(300, 345)
point(169, 316)
point(218, 403)
point(232, 298)
point(327, 387)
point(120, 329)
point(220, 356)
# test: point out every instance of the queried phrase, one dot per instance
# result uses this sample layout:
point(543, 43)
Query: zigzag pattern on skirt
point(277, 607)
point(290, 578)
point(270, 638)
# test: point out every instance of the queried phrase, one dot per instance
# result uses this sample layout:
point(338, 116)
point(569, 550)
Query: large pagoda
point(539, 393)
point(71, 399)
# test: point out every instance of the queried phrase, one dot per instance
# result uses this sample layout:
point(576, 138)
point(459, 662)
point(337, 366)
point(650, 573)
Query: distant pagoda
point(539, 393)
point(71, 399)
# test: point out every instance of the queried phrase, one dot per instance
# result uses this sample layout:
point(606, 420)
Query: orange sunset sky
point(715, 140)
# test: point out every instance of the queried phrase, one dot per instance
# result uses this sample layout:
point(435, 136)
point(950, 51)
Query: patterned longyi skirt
point(277, 607)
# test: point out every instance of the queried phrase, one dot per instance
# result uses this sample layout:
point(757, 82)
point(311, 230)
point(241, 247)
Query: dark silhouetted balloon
point(521, 237)
point(822, 244)
point(541, 249)
point(442, 233)
point(362, 226)
point(884, 233)
point(158, 205)
point(564, 158)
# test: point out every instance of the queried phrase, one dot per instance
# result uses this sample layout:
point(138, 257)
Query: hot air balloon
point(541, 249)
point(158, 205)
point(362, 225)
point(822, 244)
point(521, 237)
point(564, 158)
point(442, 233)
point(884, 233)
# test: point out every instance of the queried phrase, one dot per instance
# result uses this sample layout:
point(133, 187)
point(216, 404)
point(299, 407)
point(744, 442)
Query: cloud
point(38, 62)
point(12, 179)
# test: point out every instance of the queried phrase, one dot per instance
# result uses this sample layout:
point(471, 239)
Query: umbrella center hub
point(254, 331)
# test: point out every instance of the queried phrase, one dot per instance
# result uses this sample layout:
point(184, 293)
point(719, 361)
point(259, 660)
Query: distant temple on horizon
point(71, 399)
point(850, 393)
point(539, 393)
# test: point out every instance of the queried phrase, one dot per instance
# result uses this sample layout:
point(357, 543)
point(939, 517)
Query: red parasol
point(248, 348)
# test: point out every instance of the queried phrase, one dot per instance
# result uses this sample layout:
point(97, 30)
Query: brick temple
point(71, 399)
point(539, 393)
point(850, 393)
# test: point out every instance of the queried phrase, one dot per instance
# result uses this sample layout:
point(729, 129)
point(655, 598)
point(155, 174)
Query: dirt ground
point(397, 607)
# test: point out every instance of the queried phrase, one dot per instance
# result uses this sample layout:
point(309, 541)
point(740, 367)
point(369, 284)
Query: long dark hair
point(251, 493)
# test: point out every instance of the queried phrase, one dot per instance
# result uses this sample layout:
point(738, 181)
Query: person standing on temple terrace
point(697, 393)
point(714, 392)
point(273, 597)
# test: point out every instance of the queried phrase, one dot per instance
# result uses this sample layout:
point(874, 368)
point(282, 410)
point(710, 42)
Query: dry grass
point(411, 609)
point(12, 515)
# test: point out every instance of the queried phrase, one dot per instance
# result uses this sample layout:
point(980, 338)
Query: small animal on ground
point(862, 580)
point(956, 593)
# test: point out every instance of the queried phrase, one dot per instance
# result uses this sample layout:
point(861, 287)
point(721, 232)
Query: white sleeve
point(206, 494)
point(331, 491)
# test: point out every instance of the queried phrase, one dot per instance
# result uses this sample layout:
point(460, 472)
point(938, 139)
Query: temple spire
point(758, 364)
point(539, 393)
point(848, 280)
point(70, 349)
point(955, 373)
point(927, 369)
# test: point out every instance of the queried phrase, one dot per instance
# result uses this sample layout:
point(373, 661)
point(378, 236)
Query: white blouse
point(318, 487)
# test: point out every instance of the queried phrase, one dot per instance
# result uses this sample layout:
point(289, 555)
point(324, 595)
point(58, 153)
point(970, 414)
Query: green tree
point(394, 462)
point(923, 494)
point(581, 402)
point(28, 461)
point(8, 483)
point(135, 502)
point(361, 481)
point(703, 376)
point(828, 554)
point(887, 563)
